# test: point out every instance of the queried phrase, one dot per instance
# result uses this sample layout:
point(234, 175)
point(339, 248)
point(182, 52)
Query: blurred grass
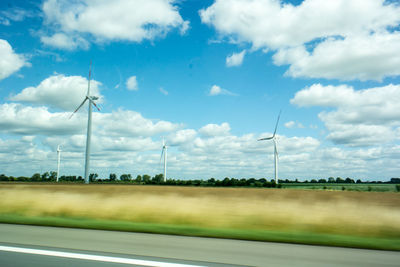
point(372, 187)
point(341, 218)
point(255, 235)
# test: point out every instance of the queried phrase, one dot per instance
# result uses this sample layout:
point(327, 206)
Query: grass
point(355, 219)
point(374, 187)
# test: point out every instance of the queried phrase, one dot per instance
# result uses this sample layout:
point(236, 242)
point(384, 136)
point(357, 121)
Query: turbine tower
point(91, 100)
point(273, 138)
point(164, 152)
point(58, 161)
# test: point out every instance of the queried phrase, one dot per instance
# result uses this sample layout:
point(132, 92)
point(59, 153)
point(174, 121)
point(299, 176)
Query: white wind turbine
point(89, 125)
point(275, 149)
point(58, 161)
point(164, 152)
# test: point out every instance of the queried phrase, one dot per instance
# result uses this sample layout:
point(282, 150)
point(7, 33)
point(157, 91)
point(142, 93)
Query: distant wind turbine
point(273, 138)
point(89, 125)
point(164, 152)
point(58, 161)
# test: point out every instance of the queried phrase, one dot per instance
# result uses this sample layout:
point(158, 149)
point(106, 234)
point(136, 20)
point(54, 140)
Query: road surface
point(139, 249)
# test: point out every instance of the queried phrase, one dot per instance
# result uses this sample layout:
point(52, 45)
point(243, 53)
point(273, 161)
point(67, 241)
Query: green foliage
point(113, 177)
point(331, 183)
point(146, 178)
point(299, 237)
point(53, 176)
point(93, 177)
point(138, 179)
point(36, 177)
point(157, 179)
point(339, 180)
point(125, 177)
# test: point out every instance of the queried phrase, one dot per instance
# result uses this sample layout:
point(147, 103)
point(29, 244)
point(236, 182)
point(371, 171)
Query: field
point(374, 187)
point(345, 218)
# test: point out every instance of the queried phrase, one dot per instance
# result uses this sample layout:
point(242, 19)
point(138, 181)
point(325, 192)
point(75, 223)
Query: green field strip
point(295, 237)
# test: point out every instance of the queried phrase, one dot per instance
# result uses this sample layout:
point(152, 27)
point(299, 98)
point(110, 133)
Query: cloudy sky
point(210, 77)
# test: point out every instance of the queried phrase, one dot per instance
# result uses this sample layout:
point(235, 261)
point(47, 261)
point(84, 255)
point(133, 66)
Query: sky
point(208, 76)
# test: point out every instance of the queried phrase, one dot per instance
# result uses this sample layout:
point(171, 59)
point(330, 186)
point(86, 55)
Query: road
point(161, 250)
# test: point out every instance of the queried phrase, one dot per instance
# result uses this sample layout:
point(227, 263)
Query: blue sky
point(210, 77)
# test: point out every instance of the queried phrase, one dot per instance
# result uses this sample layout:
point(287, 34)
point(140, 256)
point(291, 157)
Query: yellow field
point(334, 212)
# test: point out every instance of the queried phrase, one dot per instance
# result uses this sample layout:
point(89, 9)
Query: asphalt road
point(161, 250)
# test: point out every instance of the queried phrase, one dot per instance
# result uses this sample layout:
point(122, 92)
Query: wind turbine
point(164, 152)
point(273, 138)
point(58, 161)
point(91, 100)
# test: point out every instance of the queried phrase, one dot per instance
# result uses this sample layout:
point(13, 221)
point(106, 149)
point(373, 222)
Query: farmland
point(302, 216)
point(374, 187)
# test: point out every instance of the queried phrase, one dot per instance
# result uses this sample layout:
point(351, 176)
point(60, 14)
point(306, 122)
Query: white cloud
point(290, 124)
point(131, 83)
point(130, 123)
point(65, 92)
point(103, 20)
point(293, 124)
point(10, 62)
point(182, 137)
point(64, 41)
point(216, 90)
point(14, 14)
point(316, 38)
point(236, 59)
point(361, 57)
point(215, 129)
point(126, 142)
point(23, 120)
point(360, 118)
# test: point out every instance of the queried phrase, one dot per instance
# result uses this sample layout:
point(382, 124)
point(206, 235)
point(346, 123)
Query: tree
point(3, 177)
point(138, 179)
point(36, 177)
point(113, 177)
point(125, 177)
point(93, 177)
point(226, 182)
point(158, 178)
point(339, 180)
point(146, 178)
point(53, 176)
point(331, 180)
point(395, 180)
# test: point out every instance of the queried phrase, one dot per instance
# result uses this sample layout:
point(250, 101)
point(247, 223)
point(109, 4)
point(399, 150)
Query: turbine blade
point(162, 153)
point(90, 74)
point(94, 104)
point(83, 102)
point(267, 138)
point(277, 121)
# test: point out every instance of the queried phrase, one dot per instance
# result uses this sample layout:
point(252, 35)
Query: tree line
point(158, 179)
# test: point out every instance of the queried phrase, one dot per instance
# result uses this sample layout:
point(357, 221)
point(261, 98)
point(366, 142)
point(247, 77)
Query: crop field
point(374, 187)
point(347, 218)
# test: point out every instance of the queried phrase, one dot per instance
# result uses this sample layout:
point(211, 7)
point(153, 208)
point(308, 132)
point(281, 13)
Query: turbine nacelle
point(91, 100)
